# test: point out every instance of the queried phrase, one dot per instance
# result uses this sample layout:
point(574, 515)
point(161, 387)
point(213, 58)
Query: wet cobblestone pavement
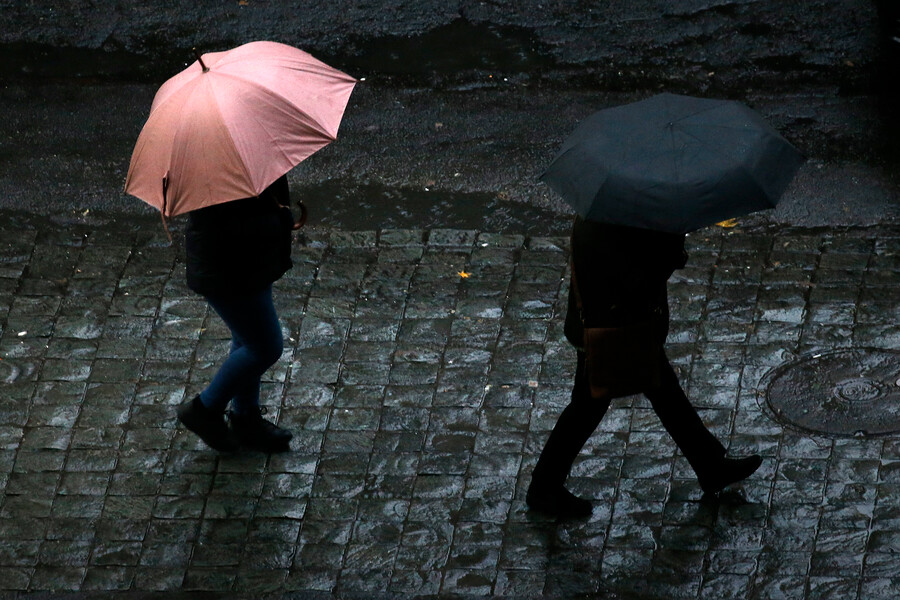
point(422, 373)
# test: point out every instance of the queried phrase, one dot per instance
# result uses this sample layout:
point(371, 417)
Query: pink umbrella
point(232, 123)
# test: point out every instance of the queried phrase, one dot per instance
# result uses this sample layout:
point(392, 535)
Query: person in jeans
point(621, 274)
point(234, 253)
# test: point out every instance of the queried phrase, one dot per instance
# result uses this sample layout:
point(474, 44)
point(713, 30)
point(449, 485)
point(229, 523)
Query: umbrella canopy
point(672, 163)
point(232, 123)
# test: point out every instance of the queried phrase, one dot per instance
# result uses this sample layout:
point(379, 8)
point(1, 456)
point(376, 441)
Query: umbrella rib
point(313, 124)
point(717, 148)
point(275, 144)
point(135, 159)
point(218, 109)
point(244, 168)
point(705, 143)
point(695, 113)
point(752, 179)
point(678, 154)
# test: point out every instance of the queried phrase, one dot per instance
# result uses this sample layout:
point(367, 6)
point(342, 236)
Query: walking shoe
point(728, 471)
point(557, 501)
point(257, 433)
point(208, 425)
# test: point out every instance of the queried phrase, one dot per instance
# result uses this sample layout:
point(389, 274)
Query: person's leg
point(574, 427)
point(257, 344)
point(681, 420)
point(246, 396)
point(703, 451)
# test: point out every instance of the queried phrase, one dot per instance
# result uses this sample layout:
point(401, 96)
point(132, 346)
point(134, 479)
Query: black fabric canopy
point(672, 163)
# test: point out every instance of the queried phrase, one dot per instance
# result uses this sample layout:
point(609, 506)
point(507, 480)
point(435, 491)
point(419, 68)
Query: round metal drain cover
point(852, 392)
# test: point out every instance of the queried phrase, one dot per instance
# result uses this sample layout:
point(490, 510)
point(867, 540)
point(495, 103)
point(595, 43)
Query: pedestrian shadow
point(729, 498)
point(641, 555)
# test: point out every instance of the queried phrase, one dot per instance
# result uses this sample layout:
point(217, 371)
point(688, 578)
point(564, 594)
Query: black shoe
point(557, 501)
point(208, 425)
point(256, 433)
point(728, 471)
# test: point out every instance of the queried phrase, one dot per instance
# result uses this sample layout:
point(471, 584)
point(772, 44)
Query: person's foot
point(257, 433)
point(727, 471)
point(208, 425)
point(557, 501)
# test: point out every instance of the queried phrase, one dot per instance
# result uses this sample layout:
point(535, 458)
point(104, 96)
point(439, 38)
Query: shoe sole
point(712, 490)
point(217, 447)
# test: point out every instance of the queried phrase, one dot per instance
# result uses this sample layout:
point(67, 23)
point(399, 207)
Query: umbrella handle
point(303, 214)
point(162, 210)
point(200, 60)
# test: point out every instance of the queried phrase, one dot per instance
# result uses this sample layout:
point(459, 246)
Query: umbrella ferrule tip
point(200, 60)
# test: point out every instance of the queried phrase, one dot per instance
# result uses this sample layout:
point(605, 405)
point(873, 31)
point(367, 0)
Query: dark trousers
point(256, 344)
point(580, 418)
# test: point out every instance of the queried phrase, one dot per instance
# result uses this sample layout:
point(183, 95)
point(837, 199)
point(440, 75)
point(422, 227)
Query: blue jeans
point(256, 344)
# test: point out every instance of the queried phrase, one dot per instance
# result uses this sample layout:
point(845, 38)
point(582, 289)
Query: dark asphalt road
point(462, 104)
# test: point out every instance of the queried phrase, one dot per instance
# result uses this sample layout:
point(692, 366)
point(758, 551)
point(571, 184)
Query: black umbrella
point(672, 163)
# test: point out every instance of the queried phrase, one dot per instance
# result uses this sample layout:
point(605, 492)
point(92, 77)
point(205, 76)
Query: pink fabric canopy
point(229, 130)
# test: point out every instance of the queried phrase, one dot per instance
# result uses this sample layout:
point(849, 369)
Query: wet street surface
point(425, 362)
point(843, 392)
point(422, 372)
point(460, 105)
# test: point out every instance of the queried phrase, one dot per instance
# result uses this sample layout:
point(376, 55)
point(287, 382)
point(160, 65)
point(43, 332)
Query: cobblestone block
point(422, 372)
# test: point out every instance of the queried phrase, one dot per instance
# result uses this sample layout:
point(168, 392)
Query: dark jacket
point(240, 246)
point(621, 274)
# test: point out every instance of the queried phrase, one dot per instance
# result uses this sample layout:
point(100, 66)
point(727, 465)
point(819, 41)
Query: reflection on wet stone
point(419, 400)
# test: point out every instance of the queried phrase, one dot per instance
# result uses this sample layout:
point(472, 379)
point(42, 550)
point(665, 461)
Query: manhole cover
point(853, 392)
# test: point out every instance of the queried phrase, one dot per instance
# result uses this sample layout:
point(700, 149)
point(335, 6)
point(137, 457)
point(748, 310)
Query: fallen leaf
point(728, 223)
point(463, 274)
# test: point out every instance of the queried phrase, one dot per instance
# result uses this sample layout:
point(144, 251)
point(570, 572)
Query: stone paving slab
point(422, 372)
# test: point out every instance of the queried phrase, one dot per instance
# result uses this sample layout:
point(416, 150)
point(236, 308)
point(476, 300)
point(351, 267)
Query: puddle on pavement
point(449, 49)
point(39, 62)
point(355, 207)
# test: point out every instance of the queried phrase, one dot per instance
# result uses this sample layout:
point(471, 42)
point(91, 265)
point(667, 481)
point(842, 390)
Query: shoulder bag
point(620, 361)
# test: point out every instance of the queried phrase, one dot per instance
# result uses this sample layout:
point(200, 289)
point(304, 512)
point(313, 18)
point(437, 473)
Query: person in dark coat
point(235, 251)
point(621, 274)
